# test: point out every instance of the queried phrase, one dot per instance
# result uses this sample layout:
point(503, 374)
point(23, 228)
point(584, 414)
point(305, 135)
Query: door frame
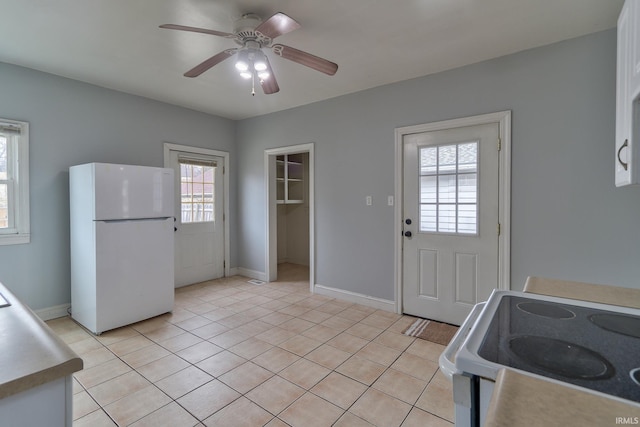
point(168, 147)
point(271, 217)
point(503, 119)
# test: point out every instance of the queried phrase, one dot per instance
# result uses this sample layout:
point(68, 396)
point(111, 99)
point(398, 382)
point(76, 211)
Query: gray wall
point(72, 123)
point(568, 219)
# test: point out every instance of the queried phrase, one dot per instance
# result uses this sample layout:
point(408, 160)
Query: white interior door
point(199, 235)
point(451, 201)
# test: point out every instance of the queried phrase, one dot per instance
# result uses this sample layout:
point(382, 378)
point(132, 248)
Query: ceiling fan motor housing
point(244, 29)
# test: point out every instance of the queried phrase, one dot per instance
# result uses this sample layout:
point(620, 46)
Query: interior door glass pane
point(467, 219)
point(428, 160)
point(428, 218)
point(447, 188)
point(447, 158)
point(208, 192)
point(428, 188)
point(467, 188)
point(468, 157)
point(447, 218)
point(4, 204)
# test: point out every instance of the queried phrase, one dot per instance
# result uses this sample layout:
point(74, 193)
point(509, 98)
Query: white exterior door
point(450, 208)
point(199, 235)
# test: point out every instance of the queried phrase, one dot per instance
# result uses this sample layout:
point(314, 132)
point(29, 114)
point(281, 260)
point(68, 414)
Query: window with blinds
point(14, 182)
point(197, 189)
point(449, 188)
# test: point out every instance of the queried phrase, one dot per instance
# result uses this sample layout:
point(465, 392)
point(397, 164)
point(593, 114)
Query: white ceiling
point(117, 43)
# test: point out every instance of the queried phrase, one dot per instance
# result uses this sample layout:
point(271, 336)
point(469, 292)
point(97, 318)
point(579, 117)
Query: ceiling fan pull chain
point(253, 84)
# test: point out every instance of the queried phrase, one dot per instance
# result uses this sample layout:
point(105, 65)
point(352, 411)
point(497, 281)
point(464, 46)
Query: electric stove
point(592, 346)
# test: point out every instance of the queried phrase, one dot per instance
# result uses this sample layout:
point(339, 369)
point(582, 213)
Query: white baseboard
point(53, 312)
point(369, 301)
point(233, 271)
point(298, 261)
point(253, 274)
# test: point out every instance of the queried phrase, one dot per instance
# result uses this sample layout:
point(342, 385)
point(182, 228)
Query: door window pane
point(468, 157)
point(447, 158)
point(449, 188)
point(428, 217)
point(428, 187)
point(467, 188)
point(428, 160)
point(447, 218)
point(467, 219)
point(196, 192)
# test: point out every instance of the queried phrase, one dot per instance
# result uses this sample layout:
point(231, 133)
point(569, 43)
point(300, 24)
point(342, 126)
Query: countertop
point(32, 354)
point(605, 294)
point(521, 400)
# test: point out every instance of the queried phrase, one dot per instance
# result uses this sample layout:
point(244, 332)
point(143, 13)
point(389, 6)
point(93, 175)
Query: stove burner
point(561, 358)
point(635, 375)
point(625, 325)
point(552, 311)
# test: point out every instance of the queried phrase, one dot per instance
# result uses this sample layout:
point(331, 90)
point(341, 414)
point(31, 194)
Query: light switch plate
point(390, 201)
point(369, 201)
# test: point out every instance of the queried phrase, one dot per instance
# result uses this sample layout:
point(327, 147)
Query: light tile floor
point(237, 354)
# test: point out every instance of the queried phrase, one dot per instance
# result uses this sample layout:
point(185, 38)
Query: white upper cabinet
point(627, 169)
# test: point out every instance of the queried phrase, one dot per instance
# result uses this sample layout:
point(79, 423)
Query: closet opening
point(290, 235)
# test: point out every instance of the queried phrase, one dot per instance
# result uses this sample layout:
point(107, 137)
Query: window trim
point(20, 232)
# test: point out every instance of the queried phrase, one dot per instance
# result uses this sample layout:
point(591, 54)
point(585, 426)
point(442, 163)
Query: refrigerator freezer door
point(124, 191)
point(134, 271)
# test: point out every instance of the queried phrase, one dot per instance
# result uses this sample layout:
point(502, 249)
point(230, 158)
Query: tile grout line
point(311, 306)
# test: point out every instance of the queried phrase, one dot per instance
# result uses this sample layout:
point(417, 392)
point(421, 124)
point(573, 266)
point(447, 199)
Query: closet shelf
point(290, 179)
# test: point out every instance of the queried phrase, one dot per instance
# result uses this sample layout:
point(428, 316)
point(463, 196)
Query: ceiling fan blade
point(277, 25)
point(269, 85)
point(304, 58)
point(214, 60)
point(197, 30)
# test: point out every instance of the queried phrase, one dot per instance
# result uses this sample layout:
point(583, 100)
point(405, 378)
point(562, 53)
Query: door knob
point(407, 234)
point(407, 221)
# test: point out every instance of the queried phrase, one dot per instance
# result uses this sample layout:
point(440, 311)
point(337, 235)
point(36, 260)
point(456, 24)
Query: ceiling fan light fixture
point(263, 75)
point(242, 63)
point(242, 66)
point(246, 75)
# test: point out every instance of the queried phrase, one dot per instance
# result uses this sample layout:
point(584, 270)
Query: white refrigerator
point(121, 230)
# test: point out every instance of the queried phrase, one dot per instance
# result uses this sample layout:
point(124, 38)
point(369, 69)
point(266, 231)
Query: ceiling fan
point(253, 34)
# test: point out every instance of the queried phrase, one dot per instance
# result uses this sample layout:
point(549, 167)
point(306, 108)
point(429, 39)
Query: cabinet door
point(623, 105)
point(634, 47)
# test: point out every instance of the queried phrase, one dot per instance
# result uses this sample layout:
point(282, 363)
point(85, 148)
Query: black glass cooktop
point(587, 347)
